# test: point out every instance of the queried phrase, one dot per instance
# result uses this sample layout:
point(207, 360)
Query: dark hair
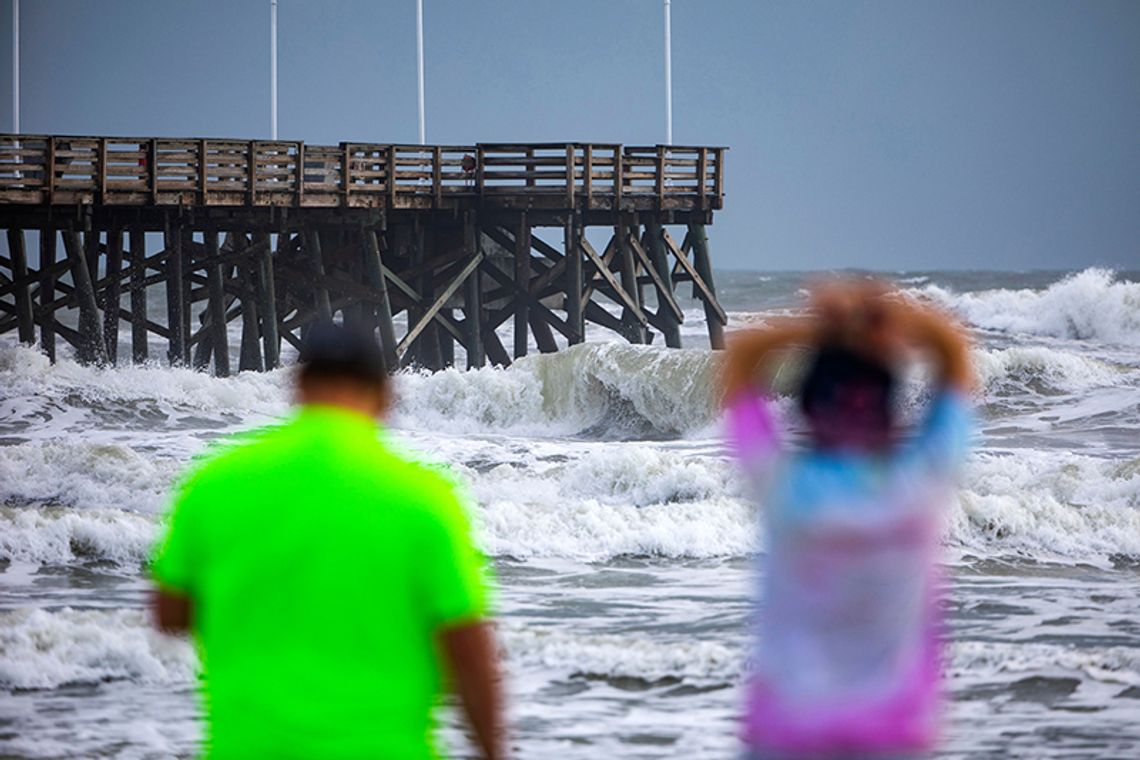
point(339, 352)
point(835, 371)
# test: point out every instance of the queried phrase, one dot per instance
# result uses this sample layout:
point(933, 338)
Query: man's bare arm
point(172, 611)
point(471, 653)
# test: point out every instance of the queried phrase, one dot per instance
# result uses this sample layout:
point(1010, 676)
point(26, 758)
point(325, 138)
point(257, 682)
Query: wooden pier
point(440, 241)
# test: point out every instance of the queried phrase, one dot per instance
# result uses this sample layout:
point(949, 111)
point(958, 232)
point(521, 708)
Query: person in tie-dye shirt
point(847, 659)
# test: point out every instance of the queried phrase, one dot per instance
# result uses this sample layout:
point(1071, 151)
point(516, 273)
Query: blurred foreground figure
point(330, 583)
point(847, 663)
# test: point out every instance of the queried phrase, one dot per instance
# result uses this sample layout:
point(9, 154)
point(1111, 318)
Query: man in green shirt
point(332, 585)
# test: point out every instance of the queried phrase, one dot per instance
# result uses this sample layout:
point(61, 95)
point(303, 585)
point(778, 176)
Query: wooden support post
point(635, 330)
point(176, 354)
point(139, 349)
point(113, 295)
point(496, 354)
point(543, 335)
point(250, 353)
point(375, 266)
point(414, 252)
point(355, 312)
point(522, 280)
point(188, 249)
point(660, 262)
point(427, 349)
point(25, 321)
point(573, 289)
point(47, 291)
point(446, 342)
point(703, 265)
point(216, 306)
point(91, 346)
point(267, 303)
point(203, 342)
point(91, 252)
point(316, 261)
point(473, 298)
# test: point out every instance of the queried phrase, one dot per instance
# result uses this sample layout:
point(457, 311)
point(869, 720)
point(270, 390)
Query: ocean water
point(624, 544)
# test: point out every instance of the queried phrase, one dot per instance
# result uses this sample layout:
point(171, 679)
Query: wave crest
point(1092, 304)
point(597, 389)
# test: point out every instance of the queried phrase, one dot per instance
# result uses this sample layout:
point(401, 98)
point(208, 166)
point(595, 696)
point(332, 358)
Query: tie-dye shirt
point(847, 655)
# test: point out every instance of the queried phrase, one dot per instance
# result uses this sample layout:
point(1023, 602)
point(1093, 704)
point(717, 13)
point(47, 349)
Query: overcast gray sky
point(887, 135)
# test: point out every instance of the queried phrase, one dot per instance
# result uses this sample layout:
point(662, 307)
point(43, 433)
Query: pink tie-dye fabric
point(848, 653)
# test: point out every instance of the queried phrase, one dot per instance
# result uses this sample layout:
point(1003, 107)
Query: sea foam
point(1092, 304)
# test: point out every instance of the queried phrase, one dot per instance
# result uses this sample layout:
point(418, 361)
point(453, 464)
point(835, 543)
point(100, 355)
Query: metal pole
point(668, 77)
point(273, 69)
point(420, 63)
point(16, 67)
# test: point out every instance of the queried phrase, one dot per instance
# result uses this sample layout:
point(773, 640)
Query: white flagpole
point(16, 66)
point(273, 69)
point(668, 77)
point(420, 64)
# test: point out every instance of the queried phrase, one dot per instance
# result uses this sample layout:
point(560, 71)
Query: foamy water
point(622, 535)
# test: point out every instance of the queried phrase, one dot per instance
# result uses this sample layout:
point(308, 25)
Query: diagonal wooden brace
point(706, 294)
point(433, 310)
point(614, 285)
point(663, 292)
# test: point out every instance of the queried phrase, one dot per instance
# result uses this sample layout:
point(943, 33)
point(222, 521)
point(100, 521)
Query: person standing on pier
point(847, 663)
point(332, 585)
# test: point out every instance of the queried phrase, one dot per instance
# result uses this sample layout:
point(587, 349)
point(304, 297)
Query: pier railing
point(131, 171)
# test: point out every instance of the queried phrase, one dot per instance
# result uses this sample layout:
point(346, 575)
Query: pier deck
point(277, 234)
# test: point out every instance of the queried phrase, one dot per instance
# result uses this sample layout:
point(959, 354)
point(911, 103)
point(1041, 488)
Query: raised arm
point(749, 349)
point(928, 329)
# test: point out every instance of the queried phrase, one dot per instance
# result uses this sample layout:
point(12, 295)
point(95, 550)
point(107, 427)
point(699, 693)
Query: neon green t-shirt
point(321, 566)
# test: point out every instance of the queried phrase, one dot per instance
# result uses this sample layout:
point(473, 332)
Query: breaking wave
point(1092, 304)
point(1039, 369)
point(41, 649)
point(1049, 506)
point(61, 536)
point(603, 389)
point(47, 649)
point(1043, 505)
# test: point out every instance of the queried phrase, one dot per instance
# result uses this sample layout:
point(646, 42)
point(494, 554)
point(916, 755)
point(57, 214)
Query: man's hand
point(470, 651)
point(172, 611)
